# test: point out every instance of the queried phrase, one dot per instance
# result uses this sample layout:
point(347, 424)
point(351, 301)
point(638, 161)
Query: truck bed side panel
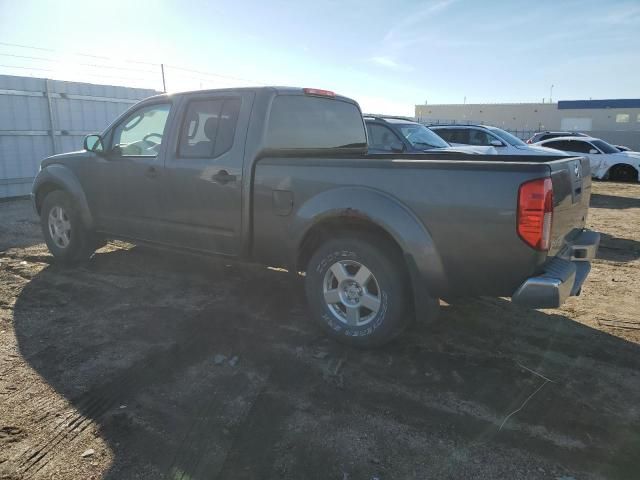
point(469, 209)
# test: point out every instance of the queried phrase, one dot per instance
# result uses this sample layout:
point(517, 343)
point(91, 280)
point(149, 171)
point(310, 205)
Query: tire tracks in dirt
point(91, 407)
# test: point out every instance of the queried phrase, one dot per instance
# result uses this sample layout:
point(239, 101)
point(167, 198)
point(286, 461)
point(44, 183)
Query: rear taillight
point(535, 212)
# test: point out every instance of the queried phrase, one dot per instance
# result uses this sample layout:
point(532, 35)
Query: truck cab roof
point(276, 90)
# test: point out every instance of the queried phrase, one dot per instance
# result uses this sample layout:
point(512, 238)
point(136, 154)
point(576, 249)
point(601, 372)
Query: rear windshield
point(421, 137)
point(507, 137)
point(605, 147)
point(302, 121)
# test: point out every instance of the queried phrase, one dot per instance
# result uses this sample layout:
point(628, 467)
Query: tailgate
point(571, 178)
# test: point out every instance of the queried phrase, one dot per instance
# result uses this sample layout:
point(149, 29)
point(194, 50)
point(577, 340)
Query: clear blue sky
point(389, 55)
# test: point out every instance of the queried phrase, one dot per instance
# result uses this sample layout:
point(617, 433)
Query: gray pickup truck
point(282, 177)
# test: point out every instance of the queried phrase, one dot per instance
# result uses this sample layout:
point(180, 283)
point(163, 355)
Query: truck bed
point(466, 203)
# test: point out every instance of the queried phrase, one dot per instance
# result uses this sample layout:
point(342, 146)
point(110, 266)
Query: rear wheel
point(359, 291)
point(64, 233)
point(623, 173)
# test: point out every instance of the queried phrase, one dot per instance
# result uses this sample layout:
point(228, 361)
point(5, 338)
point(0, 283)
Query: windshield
point(605, 147)
point(421, 137)
point(507, 137)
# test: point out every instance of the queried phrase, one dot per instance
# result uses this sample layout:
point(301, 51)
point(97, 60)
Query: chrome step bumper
point(563, 276)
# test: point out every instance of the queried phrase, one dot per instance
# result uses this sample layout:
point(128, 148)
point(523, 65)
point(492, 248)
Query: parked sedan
point(607, 161)
point(540, 136)
point(503, 143)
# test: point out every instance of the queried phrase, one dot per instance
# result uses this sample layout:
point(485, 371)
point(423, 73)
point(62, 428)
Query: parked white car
point(501, 142)
point(607, 161)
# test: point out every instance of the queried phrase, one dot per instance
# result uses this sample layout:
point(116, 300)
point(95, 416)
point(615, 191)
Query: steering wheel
point(410, 135)
point(146, 137)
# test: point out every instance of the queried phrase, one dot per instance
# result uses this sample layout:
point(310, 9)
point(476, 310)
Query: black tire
point(623, 173)
point(392, 288)
point(80, 244)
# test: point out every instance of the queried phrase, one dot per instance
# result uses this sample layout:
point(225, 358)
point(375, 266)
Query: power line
point(81, 73)
point(7, 44)
point(200, 72)
point(28, 68)
point(211, 80)
point(77, 63)
point(174, 67)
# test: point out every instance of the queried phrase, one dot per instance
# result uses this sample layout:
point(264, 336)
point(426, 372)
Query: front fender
point(61, 177)
point(383, 210)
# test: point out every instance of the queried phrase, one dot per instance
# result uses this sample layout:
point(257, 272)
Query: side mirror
point(496, 143)
point(397, 147)
point(593, 151)
point(93, 143)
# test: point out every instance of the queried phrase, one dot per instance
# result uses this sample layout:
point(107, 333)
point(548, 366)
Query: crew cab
point(282, 177)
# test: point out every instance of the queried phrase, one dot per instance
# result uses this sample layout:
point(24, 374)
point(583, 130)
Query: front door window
point(141, 133)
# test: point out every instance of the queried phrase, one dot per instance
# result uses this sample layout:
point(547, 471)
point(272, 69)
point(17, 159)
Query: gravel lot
point(153, 365)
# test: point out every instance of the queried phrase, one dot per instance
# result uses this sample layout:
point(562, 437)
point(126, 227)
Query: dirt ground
point(151, 365)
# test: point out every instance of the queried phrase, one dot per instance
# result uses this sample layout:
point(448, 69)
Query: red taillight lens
point(535, 212)
point(319, 92)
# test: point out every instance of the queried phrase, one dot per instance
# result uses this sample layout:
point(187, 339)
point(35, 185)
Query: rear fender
point(383, 211)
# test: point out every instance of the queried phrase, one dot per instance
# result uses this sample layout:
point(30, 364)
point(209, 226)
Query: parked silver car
point(503, 142)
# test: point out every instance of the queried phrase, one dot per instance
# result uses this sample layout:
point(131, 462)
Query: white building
point(616, 121)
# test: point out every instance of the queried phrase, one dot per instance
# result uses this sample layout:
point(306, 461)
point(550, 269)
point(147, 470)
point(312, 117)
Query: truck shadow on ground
point(617, 249)
point(600, 200)
point(190, 369)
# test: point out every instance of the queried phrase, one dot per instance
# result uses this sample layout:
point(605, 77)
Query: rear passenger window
point(445, 133)
point(381, 137)
point(564, 145)
point(556, 145)
point(580, 147)
point(478, 137)
point(302, 121)
point(209, 128)
point(454, 135)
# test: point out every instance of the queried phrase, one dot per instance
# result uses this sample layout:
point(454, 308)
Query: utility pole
point(164, 85)
point(551, 94)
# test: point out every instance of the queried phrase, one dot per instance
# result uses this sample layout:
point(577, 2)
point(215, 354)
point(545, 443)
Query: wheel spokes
point(362, 276)
point(353, 314)
point(332, 296)
point(349, 286)
point(339, 271)
point(371, 302)
point(59, 226)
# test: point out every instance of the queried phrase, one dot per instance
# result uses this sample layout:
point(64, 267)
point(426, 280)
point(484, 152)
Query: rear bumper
point(563, 276)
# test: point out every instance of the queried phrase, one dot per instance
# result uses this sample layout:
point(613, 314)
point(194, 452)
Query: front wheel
point(63, 230)
point(359, 291)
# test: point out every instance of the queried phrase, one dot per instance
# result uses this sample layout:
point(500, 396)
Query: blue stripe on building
point(615, 103)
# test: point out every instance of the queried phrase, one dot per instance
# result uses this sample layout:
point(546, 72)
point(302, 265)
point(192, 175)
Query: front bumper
point(563, 276)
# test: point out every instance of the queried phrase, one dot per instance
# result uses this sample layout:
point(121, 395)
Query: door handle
point(223, 177)
point(152, 172)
